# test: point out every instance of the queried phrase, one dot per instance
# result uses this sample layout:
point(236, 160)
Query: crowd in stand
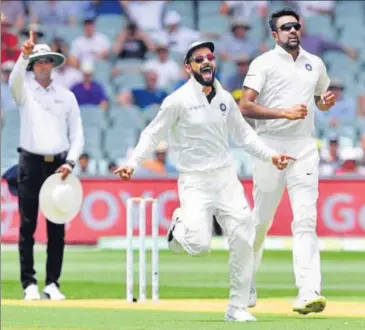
point(155, 36)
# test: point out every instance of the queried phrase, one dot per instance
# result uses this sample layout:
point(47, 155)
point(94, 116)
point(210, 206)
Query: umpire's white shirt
point(50, 121)
point(282, 83)
point(199, 131)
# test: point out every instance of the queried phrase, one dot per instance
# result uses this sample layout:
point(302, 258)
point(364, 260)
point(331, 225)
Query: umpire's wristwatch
point(71, 163)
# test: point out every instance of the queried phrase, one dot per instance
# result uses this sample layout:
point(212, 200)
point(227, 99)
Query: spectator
point(343, 111)
point(244, 9)
point(38, 32)
point(235, 81)
point(51, 12)
point(177, 37)
point(318, 45)
point(349, 165)
point(84, 167)
point(89, 92)
point(132, 43)
point(9, 48)
point(237, 43)
point(7, 101)
point(147, 14)
point(167, 70)
point(14, 12)
point(66, 75)
point(330, 158)
point(143, 97)
point(93, 45)
point(362, 158)
point(112, 166)
point(159, 164)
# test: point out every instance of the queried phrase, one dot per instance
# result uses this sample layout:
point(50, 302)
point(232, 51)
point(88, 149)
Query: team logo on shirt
point(308, 67)
point(223, 107)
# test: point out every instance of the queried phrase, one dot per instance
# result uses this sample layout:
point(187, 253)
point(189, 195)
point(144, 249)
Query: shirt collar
point(281, 51)
point(37, 86)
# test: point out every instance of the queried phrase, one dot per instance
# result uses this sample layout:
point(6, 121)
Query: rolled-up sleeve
point(244, 136)
point(156, 131)
point(76, 131)
point(256, 76)
point(17, 80)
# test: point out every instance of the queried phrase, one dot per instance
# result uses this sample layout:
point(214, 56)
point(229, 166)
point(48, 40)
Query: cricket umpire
point(51, 140)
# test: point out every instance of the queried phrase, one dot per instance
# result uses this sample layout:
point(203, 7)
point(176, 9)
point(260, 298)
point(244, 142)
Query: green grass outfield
point(89, 275)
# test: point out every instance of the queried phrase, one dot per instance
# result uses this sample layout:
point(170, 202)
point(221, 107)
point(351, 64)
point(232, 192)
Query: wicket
point(142, 249)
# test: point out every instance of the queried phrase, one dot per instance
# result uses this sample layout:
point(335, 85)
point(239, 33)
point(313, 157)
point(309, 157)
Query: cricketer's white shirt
point(199, 131)
point(50, 121)
point(282, 83)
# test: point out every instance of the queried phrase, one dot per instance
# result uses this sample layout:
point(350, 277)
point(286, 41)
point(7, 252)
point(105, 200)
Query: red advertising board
point(341, 209)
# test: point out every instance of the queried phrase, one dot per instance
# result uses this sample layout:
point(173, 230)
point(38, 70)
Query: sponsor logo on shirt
point(196, 107)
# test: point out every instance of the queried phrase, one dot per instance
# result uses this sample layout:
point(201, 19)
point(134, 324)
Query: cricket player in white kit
point(281, 90)
point(199, 117)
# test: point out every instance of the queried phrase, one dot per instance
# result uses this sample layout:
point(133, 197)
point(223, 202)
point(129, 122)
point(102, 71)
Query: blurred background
point(125, 57)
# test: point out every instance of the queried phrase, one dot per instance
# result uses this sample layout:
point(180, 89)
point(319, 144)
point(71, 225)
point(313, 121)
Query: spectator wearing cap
point(235, 81)
point(318, 45)
point(14, 12)
point(160, 165)
point(236, 42)
point(133, 43)
point(146, 96)
point(66, 75)
point(84, 167)
point(177, 36)
point(92, 45)
point(7, 100)
point(330, 157)
point(345, 108)
point(89, 92)
point(168, 72)
point(147, 14)
point(244, 9)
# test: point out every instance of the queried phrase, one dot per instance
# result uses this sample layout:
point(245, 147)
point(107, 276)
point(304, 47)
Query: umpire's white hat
point(43, 50)
point(60, 201)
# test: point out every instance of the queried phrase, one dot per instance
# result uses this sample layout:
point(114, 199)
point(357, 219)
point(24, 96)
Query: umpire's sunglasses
point(288, 26)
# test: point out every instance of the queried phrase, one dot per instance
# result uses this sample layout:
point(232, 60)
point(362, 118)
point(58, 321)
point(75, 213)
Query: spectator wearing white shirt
point(93, 45)
point(51, 140)
point(65, 75)
point(168, 72)
point(152, 13)
point(244, 9)
point(178, 37)
point(312, 8)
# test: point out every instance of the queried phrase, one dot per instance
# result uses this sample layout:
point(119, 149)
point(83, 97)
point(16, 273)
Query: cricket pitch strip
point(264, 306)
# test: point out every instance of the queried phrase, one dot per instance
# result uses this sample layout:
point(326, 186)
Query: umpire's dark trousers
point(33, 171)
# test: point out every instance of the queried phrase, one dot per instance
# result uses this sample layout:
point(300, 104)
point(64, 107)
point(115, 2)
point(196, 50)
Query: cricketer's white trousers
point(301, 180)
point(218, 192)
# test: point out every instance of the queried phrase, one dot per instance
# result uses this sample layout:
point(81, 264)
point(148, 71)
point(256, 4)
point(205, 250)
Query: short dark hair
point(280, 13)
